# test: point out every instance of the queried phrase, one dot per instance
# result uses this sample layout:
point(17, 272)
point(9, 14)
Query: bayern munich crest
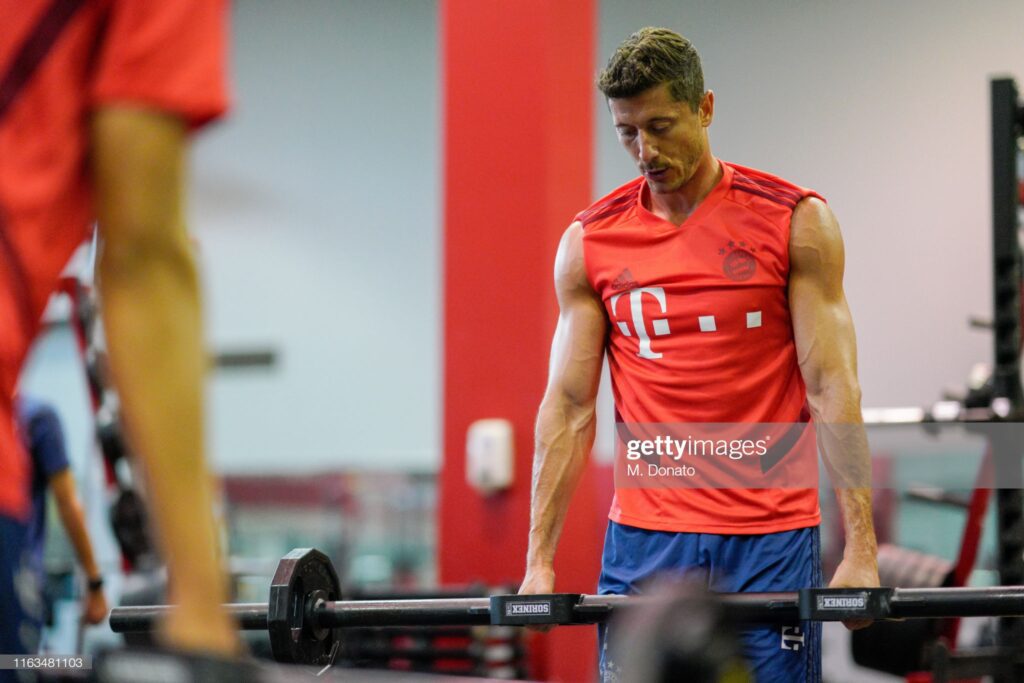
point(739, 264)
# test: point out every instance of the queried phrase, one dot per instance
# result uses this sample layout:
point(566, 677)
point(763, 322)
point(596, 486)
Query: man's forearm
point(844, 445)
point(855, 507)
point(565, 435)
point(153, 327)
point(72, 517)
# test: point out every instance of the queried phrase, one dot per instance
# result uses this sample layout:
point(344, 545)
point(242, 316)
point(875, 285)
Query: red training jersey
point(59, 60)
point(700, 332)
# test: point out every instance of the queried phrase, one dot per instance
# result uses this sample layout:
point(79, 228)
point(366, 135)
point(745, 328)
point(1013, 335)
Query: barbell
point(304, 614)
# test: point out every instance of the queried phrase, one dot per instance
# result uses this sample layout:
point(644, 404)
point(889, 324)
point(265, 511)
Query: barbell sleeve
point(923, 603)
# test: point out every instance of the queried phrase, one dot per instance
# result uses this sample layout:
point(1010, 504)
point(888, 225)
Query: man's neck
point(677, 206)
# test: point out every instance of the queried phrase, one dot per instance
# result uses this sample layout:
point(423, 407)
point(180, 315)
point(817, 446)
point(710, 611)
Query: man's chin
point(662, 186)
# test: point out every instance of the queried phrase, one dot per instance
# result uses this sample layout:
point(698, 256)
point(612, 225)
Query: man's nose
point(648, 151)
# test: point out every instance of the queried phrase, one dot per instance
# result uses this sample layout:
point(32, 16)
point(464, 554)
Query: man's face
point(665, 138)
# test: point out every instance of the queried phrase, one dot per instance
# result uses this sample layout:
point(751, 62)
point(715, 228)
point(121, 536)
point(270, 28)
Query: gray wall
point(883, 108)
point(317, 211)
point(316, 206)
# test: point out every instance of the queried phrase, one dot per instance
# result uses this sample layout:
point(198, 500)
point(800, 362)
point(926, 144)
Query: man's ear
point(707, 109)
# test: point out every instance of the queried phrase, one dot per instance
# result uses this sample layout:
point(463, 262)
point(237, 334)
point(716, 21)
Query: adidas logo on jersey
point(624, 281)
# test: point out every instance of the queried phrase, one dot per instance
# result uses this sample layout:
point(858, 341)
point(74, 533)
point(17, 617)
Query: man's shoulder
point(759, 186)
point(612, 204)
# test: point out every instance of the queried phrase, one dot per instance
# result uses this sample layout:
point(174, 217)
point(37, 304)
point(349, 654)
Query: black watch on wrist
point(95, 584)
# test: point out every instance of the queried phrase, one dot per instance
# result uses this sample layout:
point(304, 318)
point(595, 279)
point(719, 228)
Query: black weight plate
point(293, 636)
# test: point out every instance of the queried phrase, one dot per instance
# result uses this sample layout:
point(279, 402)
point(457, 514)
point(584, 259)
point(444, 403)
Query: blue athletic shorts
point(785, 561)
point(21, 605)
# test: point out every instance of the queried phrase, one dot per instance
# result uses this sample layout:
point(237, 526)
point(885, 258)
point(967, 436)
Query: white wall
point(883, 108)
point(316, 205)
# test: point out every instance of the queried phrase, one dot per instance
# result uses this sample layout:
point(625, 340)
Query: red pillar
point(518, 99)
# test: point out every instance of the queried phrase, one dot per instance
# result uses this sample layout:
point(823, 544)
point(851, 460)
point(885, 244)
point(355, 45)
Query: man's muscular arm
point(565, 423)
point(153, 323)
point(827, 352)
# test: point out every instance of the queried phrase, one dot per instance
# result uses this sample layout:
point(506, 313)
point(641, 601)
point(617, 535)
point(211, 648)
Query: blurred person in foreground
point(97, 102)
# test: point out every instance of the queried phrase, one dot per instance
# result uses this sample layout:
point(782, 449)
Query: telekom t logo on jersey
point(659, 325)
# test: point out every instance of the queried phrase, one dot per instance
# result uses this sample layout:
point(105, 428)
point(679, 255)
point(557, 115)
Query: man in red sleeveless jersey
point(716, 292)
point(97, 98)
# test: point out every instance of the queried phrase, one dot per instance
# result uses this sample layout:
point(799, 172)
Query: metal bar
point(927, 494)
point(944, 412)
point(1006, 271)
point(931, 603)
point(762, 607)
point(906, 603)
point(744, 607)
point(442, 611)
point(1006, 374)
point(244, 358)
point(251, 616)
